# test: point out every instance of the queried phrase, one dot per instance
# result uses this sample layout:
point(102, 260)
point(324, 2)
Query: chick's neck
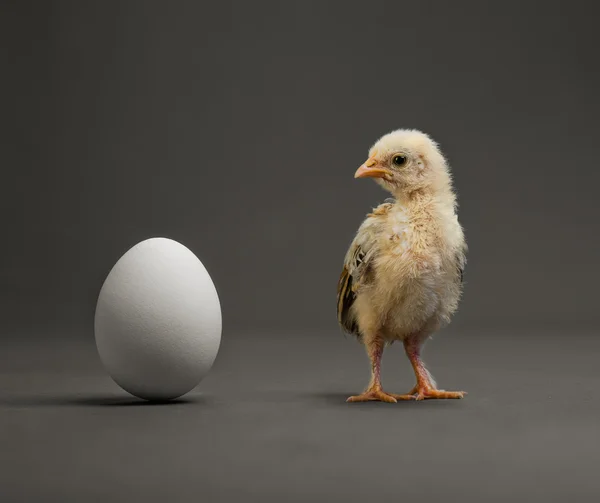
point(441, 197)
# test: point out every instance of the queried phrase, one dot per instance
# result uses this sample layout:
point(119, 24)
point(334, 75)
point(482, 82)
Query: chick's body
point(414, 274)
point(402, 275)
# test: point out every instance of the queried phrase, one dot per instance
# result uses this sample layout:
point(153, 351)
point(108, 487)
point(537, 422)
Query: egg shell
point(158, 320)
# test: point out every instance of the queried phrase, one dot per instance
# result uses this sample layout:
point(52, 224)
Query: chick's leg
point(426, 387)
point(374, 392)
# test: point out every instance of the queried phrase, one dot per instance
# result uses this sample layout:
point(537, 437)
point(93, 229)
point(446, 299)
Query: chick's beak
point(371, 169)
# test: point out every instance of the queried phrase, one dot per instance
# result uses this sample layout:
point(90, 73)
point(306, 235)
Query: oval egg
point(158, 320)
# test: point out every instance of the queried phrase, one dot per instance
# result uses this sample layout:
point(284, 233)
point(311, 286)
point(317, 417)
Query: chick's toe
point(373, 396)
point(425, 393)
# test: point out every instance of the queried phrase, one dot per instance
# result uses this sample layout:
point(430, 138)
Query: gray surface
point(270, 424)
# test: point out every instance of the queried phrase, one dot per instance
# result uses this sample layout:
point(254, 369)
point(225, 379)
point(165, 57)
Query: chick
point(402, 275)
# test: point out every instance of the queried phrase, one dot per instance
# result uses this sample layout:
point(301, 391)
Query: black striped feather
point(345, 299)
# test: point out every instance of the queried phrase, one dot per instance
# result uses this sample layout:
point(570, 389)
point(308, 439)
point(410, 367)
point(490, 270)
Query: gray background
point(235, 128)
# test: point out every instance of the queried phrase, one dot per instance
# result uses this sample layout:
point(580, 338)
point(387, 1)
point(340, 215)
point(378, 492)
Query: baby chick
point(402, 275)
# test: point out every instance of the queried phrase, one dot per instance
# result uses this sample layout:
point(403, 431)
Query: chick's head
point(405, 160)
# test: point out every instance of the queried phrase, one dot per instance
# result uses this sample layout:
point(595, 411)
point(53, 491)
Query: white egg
point(158, 320)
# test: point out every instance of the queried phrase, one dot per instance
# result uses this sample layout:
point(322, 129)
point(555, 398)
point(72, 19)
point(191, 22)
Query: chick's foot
point(427, 393)
point(372, 395)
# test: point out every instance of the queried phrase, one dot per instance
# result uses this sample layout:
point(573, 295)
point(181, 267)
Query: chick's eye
point(399, 160)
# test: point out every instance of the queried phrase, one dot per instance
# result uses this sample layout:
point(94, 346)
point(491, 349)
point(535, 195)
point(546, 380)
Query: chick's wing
point(357, 266)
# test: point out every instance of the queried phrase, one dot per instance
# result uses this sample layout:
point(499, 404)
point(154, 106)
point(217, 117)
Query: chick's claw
point(372, 396)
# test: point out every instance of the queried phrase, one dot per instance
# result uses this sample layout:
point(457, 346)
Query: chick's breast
point(414, 283)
